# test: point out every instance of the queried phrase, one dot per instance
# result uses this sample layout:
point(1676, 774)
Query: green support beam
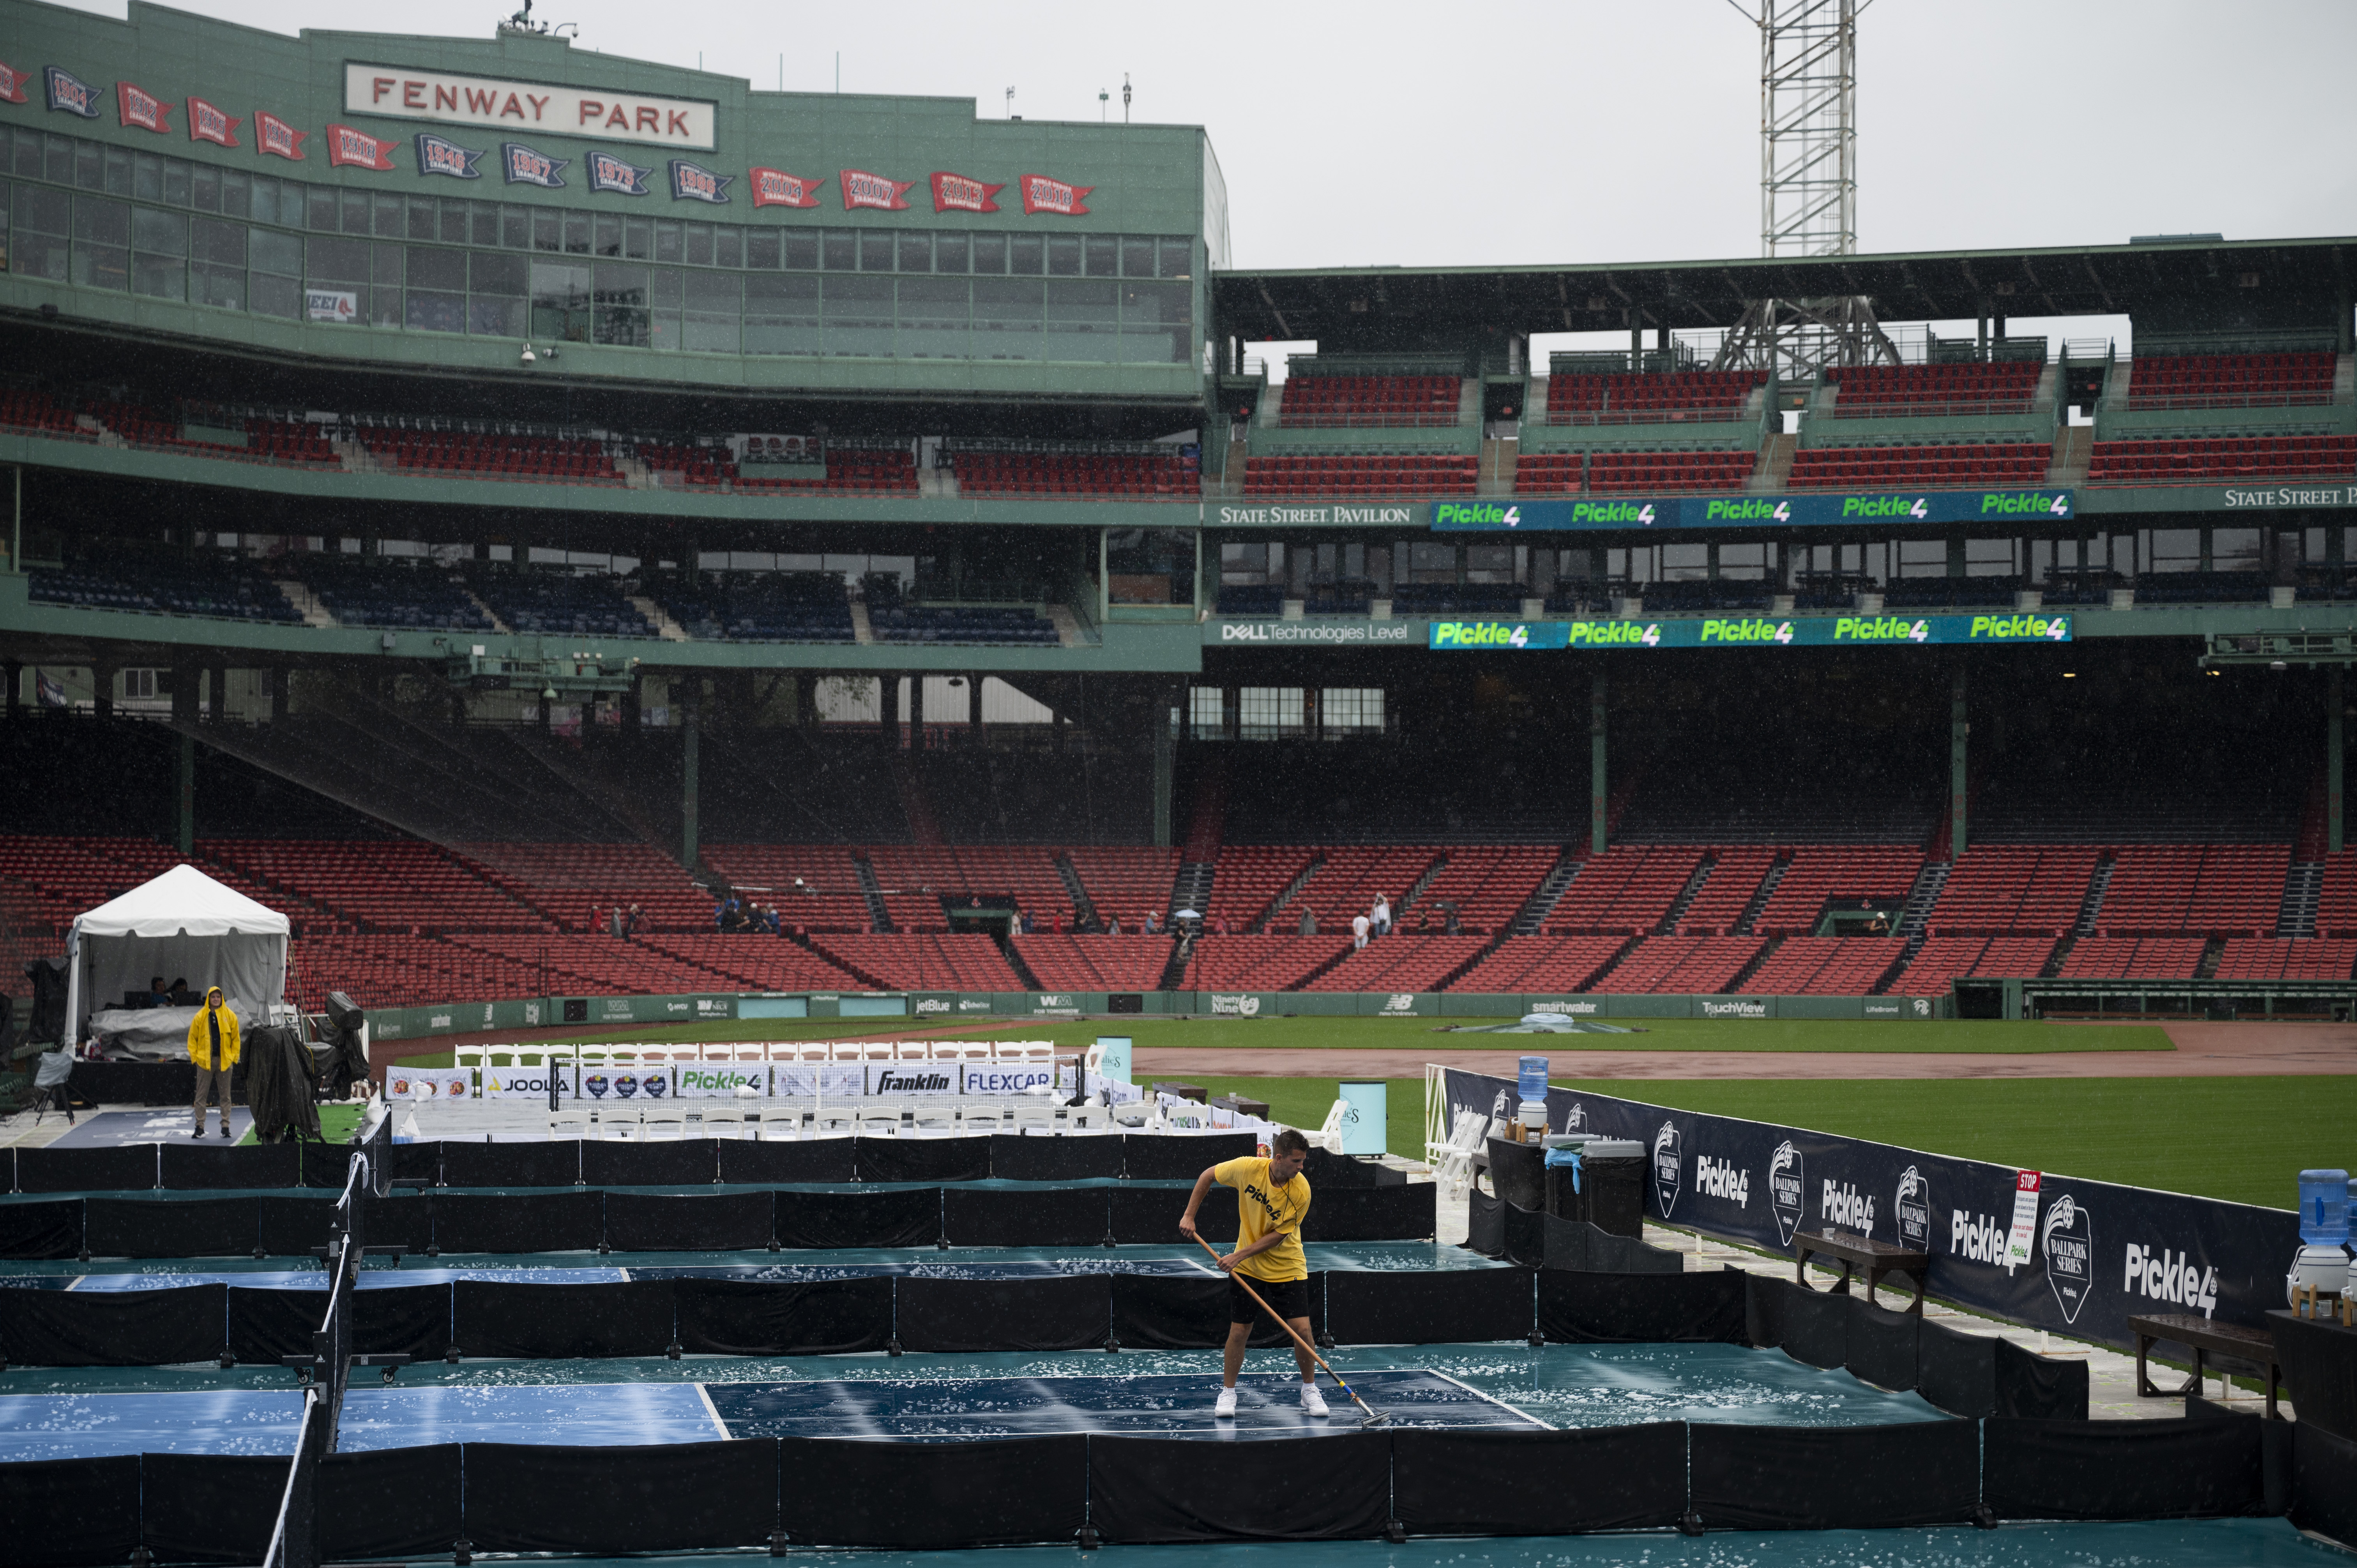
point(691, 710)
point(1960, 729)
point(185, 836)
point(2334, 742)
point(1598, 800)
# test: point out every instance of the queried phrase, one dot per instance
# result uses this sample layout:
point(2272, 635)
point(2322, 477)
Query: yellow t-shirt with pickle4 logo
point(1261, 1207)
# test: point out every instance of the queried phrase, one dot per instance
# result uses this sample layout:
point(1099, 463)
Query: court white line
point(1490, 1399)
point(709, 1409)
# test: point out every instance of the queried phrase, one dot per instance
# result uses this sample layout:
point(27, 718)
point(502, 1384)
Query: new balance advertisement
point(2100, 1251)
point(1828, 510)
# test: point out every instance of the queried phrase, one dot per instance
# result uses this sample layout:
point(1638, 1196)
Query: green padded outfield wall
point(436, 201)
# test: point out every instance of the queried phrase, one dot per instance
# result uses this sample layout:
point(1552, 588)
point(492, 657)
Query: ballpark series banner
point(1816, 511)
point(2098, 1252)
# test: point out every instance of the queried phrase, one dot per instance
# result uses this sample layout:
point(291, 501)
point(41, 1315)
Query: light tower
point(1808, 187)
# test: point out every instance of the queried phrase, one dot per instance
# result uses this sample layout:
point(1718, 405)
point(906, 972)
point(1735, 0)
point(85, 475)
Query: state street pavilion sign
point(599, 114)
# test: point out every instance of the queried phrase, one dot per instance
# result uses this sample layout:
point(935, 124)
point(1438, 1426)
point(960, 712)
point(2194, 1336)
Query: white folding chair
point(1031, 1115)
point(669, 1124)
point(983, 1116)
point(936, 1113)
point(877, 1121)
point(568, 1123)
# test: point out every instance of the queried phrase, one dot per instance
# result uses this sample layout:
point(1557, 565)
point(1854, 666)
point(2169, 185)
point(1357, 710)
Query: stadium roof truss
point(2217, 285)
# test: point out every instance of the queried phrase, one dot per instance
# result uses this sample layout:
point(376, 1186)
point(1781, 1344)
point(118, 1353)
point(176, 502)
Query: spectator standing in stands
point(212, 1046)
point(630, 925)
point(1360, 926)
point(592, 926)
point(1380, 916)
point(1309, 927)
point(1112, 925)
point(1153, 925)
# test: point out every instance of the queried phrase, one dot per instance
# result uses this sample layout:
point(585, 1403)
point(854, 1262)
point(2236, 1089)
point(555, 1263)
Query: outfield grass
point(1968, 1037)
point(337, 1123)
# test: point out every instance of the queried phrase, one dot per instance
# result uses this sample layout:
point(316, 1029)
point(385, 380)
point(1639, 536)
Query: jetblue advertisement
point(2098, 1253)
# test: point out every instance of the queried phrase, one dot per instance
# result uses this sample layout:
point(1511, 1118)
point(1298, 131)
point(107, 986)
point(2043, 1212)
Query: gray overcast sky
point(1586, 131)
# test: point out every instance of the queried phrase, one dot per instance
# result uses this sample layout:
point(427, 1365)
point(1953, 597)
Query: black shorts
point(1289, 1297)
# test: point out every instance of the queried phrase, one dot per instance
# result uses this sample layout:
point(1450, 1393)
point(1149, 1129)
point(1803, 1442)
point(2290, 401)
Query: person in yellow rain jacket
point(212, 1045)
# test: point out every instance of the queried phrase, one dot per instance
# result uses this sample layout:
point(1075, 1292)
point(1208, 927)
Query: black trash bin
point(1517, 1174)
point(1612, 1183)
point(1563, 1200)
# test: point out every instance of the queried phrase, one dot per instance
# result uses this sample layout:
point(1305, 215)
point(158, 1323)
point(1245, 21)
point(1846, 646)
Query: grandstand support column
point(16, 682)
point(1598, 800)
point(691, 709)
point(1960, 731)
point(1165, 755)
point(2335, 739)
point(184, 837)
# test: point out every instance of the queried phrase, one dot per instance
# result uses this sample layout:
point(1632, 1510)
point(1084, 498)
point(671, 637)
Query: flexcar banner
point(1813, 511)
point(2099, 1251)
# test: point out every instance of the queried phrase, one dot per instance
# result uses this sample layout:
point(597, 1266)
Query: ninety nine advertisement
point(2096, 1251)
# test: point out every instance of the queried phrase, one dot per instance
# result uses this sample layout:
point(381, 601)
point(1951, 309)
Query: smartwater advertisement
point(2098, 1253)
point(726, 1080)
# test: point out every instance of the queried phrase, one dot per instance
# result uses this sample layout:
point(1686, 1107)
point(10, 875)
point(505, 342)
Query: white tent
point(182, 925)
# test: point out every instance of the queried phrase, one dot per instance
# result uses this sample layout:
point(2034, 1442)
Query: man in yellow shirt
point(212, 1046)
point(1272, 1196)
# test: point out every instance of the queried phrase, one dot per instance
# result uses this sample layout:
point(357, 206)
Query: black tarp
point(409, 1162)
point(404, 1220)
point(1590, 1308)
point(517, 1221)
point(629, 1317)
point(1485, 1226)
point(1174, 1488)
point(1882, 1344)
point(1333, 1173)
point(922, 1159)
point(1181, 1156)
point(1025, 1216)
point(2122, 1469)
point(1957, 1371)
point(703, 1223)
point(2319, 1367)
point(2324, 1483)
point(189, 1165)
point(556, 1162)
point(1367, 1307)
point(390, 1502)
point(170, 1227)
point(1834, 1477)
point(1816, 1327)
point(776, 1317)
point(659, 1497)
point(1576, 1244)
point(669, 1162)
point(281, 1084)
point(915, 1497)
point(1066, 1312)
point(888, 1217)
point(1373, 1214)
point(1075, 1158)
point(1180, 1312)
point(760, 1164)
point(1147, 1215)
point(69, 1513)
point(264, 1324)
point(326, 1164)
point(2027, 1384)
point(1538, 1483)
point(412, 1320)
point(209, 1508)
point(289, 1226)
point(128, 1169)
point(49, 1229)
point(1518, 1173)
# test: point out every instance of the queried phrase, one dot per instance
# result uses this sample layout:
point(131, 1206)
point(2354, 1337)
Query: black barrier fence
point(594, 1219)
point(2101, 1252)
point(834, 1492)
point(574, 1162)
point(1500, 1227)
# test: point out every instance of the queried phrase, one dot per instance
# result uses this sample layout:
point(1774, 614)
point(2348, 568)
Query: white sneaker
point(1226, 1409)
point(1312, 1402)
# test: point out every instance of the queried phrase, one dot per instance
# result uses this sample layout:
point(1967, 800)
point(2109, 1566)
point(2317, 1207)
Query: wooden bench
point(1874, 1258)
point(2201, 1336)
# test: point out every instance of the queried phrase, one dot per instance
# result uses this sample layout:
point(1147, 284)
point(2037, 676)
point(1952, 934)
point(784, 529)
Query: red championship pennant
point(276, 137)
point(1042, 194)
point(863, 189)
point(141, 108)
point(12, 85)
point(358, 149)
point(956, 193)
point(776, 188)
point(206, 123)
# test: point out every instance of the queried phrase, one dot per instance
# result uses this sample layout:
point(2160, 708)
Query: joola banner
point(1832, 509)
point(2098, 1252)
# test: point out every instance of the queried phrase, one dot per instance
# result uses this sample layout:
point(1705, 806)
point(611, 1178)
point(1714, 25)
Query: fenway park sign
point(403, 92)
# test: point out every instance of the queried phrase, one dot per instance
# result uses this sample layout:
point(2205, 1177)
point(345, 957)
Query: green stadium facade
point(497, 442)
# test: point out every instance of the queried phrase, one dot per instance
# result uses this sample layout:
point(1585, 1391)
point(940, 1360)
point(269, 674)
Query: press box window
point(1150, 566)
point(1270, 712)
point(1350, 710)
point(1207, 714)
